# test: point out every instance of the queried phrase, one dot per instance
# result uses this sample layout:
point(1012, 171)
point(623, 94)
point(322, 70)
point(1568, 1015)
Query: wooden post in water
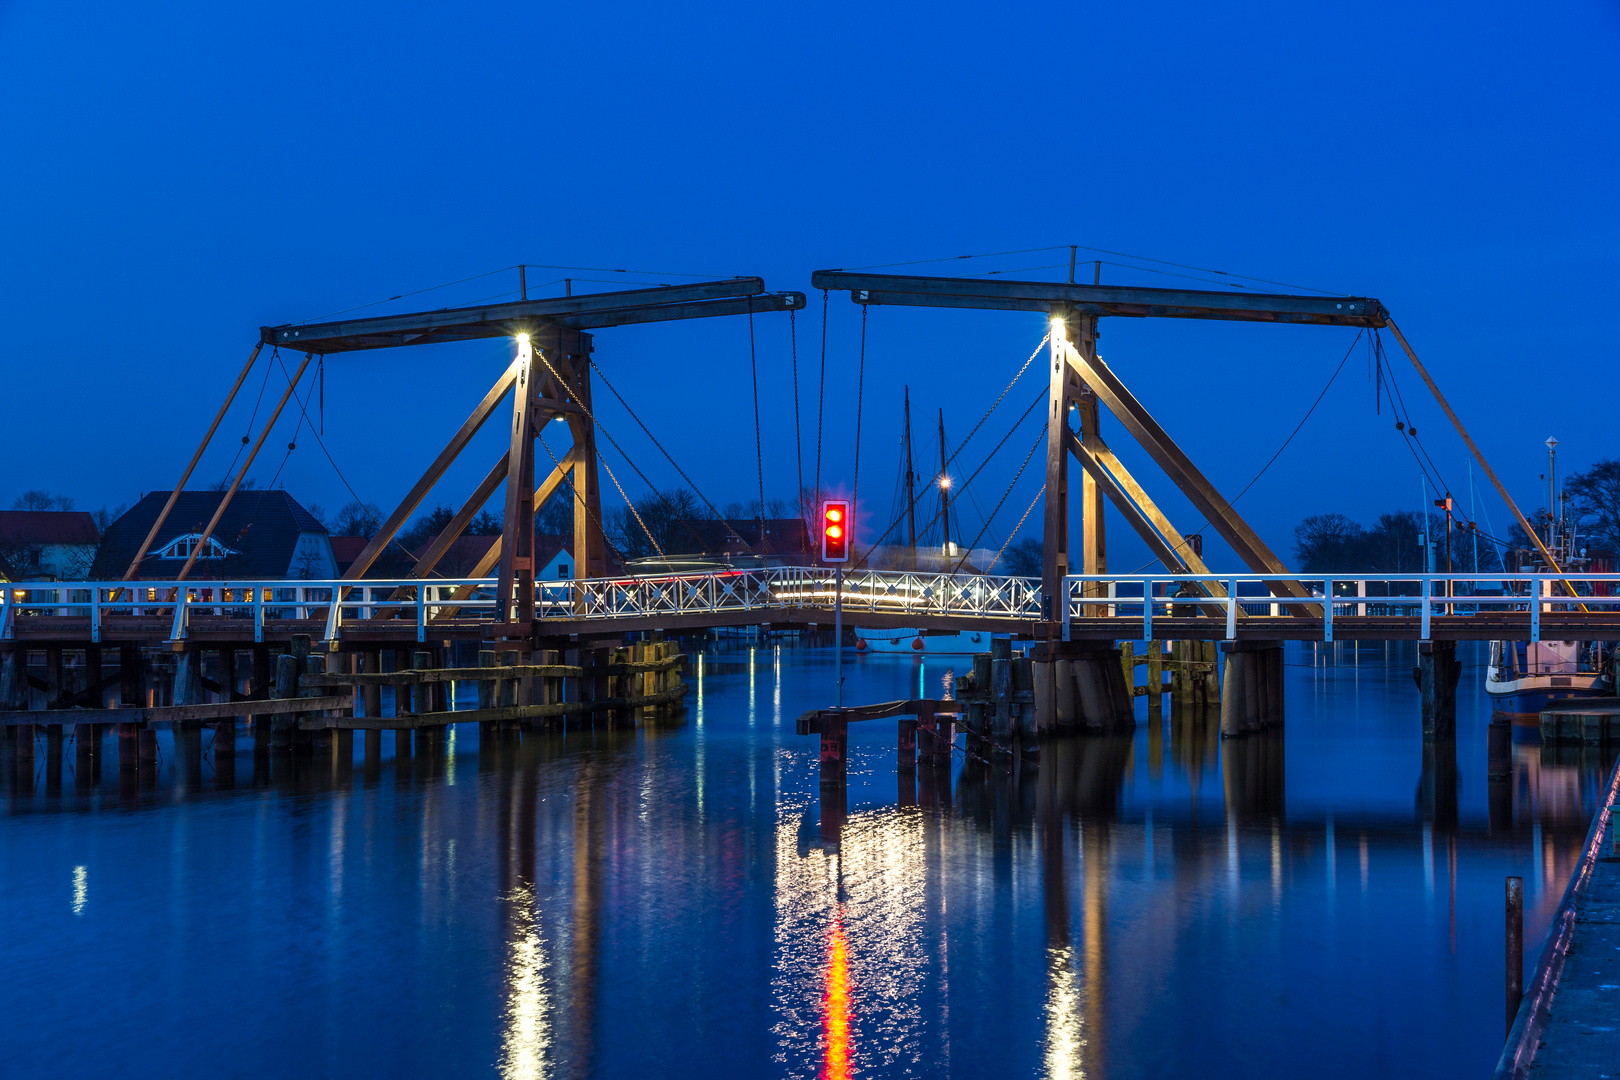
point(1515, 947)
point(1155, 680)
point(486, 695)
point(834, 751)
point(286, 686)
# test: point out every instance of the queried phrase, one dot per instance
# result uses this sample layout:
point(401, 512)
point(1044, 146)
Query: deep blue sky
point(177, 176)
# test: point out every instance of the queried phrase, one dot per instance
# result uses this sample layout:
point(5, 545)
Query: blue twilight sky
point(177, 175)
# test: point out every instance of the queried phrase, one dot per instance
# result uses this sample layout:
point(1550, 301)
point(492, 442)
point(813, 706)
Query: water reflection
point(1128, 906)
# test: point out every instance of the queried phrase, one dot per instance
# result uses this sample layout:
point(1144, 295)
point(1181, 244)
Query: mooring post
point(908, 744)
point(14, 679)
point(834, 749)
point(25, 757)
point(128, 746)
point(285, 686)
point(1515, 947)
point(1155, 675)
point(1437, 675)
point(1001, 726)
point(53, 759)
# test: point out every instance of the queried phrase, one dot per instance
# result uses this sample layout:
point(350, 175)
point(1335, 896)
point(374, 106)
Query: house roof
point(260, 528)
point(346, 549)
point(48, 527)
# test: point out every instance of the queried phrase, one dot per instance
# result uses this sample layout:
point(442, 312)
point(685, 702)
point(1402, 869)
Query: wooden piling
point(1437, 675)
point(834, 753)
point(1515, 948)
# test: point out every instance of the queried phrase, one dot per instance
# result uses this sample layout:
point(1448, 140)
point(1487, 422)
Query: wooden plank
point(174, 713)
point(478, 716)
point(1104, 299)
point(812, 722)
point(414, 497)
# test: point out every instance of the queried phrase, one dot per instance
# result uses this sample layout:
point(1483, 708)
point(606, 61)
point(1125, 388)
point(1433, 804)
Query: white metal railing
point(246, 600)
point(1145, 596)
point(767, 589)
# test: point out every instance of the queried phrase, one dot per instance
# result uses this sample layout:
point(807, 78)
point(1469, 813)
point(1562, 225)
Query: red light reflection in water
point(835, 1003)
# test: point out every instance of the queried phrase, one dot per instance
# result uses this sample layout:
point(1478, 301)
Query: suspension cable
point(798, 436)
point(759, 452)
point(821, 399)
point(650, 435)
point(589, 513)
point(999, 503)
point(1030, 509)
point(247, 436)
point(860, 398)
point(603, 462)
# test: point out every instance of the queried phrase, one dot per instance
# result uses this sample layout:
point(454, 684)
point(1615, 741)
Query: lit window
point(181, 547)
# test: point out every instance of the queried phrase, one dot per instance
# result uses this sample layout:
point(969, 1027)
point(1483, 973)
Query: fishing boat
point(1523, 677)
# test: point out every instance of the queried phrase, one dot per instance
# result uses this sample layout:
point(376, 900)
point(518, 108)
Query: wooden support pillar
point(515, 588)
point(14, 679)
point(285, 686)
point(1155, 673)
point(128, 746)
point(188, 677)
point(55, 677)
point(371, 696)
point(487, 695)
point(1252, 699)
point(834, 752)
point(24, 764)
point(320, 742)
point(1437, 674)
point(908, 746)
point(1001, 702)
point(1062, 388)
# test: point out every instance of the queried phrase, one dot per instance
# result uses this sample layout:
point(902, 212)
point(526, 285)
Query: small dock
point(1568, 1023)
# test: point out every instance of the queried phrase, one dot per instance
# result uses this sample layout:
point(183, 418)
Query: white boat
point(920, 642)
point(1524, 677)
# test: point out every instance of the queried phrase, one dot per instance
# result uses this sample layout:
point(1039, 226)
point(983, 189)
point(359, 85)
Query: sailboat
point(1524, 677)
point(913, 640)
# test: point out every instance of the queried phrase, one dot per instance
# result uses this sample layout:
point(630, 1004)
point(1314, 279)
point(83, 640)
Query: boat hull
point(1531, 694)
point(916, 643)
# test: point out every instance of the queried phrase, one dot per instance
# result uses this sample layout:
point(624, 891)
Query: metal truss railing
point(763, 590)
point(1146, 596)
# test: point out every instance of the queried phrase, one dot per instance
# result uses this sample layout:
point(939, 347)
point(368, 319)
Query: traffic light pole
point(838, 634)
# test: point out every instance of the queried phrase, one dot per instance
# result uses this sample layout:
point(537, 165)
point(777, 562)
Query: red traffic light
point(835, 531)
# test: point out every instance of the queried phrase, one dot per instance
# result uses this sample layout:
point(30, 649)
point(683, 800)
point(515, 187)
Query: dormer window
point(181, 547)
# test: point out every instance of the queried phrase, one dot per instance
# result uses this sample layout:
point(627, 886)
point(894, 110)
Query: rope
point(798, 437)
point(637, 513)
point(821, 398)
point(586, 506)
point(650, 435)
point(986, 528)
point(247, 436)
point(319, 442)
point(759, 452)
point(860, 398)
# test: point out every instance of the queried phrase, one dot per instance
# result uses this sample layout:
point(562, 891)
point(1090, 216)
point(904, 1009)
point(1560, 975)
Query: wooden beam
point(414, 497)
point(517, 531)
point(140, 553)
point(585, 311)
point(1062, 387)
point(1182, 472)
point(1117, 300)
point(219, 511)
point(458, 524)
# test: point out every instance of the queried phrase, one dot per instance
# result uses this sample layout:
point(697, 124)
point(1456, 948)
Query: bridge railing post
point(1147, 609)
point(1231, 609)
point(1424, 594)
point(1327, 609)
point(1535, 607)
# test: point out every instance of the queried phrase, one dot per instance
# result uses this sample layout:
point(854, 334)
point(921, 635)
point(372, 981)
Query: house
point(47, 545)
point(551, 557)
point(262, 536)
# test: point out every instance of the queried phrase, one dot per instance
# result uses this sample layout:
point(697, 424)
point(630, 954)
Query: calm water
point(669, 901)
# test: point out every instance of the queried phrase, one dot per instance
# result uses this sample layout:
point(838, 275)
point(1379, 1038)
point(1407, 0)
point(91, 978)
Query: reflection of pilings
point(1253, 769)
point(1063, 1052)
point(1083, 774)
point(590, 836)
point(1094, 923)
point(1437, 787)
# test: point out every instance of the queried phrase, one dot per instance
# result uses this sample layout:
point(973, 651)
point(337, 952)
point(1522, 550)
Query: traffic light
point(835, 531)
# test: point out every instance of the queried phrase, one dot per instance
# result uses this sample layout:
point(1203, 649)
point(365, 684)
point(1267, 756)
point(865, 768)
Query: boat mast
point(944, 486)
point(1552, 490)
point(911, 487)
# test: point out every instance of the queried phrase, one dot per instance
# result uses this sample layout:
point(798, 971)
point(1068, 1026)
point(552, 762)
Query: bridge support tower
point(1080, 689)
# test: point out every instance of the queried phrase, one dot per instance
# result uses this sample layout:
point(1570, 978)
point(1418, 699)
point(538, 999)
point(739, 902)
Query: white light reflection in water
point(81, 888)
point(526, 1034)
point(1063, 1054)
point(880, 968)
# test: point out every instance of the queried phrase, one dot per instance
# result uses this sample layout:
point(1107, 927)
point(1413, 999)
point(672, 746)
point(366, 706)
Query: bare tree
point(357, 519)
point(40, 499)
point(1594, 501)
